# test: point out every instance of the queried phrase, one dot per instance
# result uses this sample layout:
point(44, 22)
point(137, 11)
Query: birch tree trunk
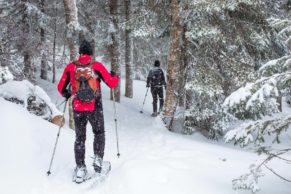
point(43, 66)
point(172, 92)
point(72, 35)
point(128, 66)
point(113, 47)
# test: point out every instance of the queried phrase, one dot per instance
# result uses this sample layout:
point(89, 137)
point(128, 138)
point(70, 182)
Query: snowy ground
point(153, 160)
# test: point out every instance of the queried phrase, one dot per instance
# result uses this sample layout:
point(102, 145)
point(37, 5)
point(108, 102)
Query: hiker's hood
point(84, 59)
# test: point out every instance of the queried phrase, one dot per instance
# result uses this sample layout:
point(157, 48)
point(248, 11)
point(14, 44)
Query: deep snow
point(153, 160)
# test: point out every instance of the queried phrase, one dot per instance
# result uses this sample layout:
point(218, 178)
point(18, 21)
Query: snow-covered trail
point(152, 160)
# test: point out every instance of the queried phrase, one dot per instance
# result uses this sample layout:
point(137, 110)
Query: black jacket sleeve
point(149, 78)
point(65, 90)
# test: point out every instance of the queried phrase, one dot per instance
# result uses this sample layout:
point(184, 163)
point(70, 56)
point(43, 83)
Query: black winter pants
point(96, 120)
point(157, 92)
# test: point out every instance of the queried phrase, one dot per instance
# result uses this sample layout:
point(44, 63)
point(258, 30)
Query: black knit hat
point(157, 63)
point(85, 48)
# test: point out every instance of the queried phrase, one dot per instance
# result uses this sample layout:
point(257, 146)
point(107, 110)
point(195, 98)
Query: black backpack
point(156, 77)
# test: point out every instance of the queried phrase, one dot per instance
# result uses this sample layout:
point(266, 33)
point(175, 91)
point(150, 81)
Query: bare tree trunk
point(183, 66)
point(28, 69)
point(72, 30)
point(72, 34)
point(54, 44)
point(172, 92)
point(279, 103)
point(128, 66)
point(43, 66)
point(28, 65)
point(113, 48)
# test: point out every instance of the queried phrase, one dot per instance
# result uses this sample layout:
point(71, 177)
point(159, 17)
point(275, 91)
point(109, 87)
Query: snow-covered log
point(31, 97)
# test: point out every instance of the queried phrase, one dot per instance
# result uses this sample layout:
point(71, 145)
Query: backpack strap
point(78, 64)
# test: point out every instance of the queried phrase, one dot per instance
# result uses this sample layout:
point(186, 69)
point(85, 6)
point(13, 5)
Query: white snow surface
point(153, 160)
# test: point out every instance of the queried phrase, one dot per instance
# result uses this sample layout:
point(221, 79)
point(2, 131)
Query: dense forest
point(227, 62)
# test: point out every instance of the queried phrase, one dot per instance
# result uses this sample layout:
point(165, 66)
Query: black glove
point(67, 94)
point(112, 73)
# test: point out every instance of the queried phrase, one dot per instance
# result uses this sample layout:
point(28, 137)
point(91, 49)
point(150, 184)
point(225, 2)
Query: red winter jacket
point(68, 77)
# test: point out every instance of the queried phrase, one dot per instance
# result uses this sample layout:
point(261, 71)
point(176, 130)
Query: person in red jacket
point(85, 111)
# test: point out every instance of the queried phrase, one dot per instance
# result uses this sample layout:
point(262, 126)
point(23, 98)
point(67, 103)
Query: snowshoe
point(97, 164)
point(99, 177)
point(80, 174)
point(154, 114)
point(95, 178)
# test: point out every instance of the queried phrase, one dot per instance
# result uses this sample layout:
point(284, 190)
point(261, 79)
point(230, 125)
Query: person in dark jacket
point(156, 80)
point(87, 111)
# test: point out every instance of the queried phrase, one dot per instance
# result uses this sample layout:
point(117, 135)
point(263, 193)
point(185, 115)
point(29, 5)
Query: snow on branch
point(249, 181)
point(258, 99)
point(34, 10)
point(232, 5)
point(255, 100)
point(5, 75)
point(272, 67)
point(257, 131)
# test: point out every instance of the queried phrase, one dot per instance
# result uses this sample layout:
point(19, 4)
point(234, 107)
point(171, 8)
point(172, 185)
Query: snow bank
point(31, 96)
point(153, 160)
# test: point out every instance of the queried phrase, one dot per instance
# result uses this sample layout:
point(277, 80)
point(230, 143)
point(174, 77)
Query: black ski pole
point(115, 120)
point(144, 100)
point(57, 139)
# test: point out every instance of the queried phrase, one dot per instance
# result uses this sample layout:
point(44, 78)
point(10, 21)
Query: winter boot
point(97, 164)
point(80, 174)
point(154, 114)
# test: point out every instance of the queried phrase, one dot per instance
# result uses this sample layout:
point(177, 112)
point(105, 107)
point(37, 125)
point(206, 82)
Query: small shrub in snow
point(249, 181)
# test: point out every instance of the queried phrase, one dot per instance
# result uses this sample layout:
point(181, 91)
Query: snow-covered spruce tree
point(229, 41)
point(19, 39)
point(149, 24)
point(259, 98)
point(19, 34)
point(256, 101)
